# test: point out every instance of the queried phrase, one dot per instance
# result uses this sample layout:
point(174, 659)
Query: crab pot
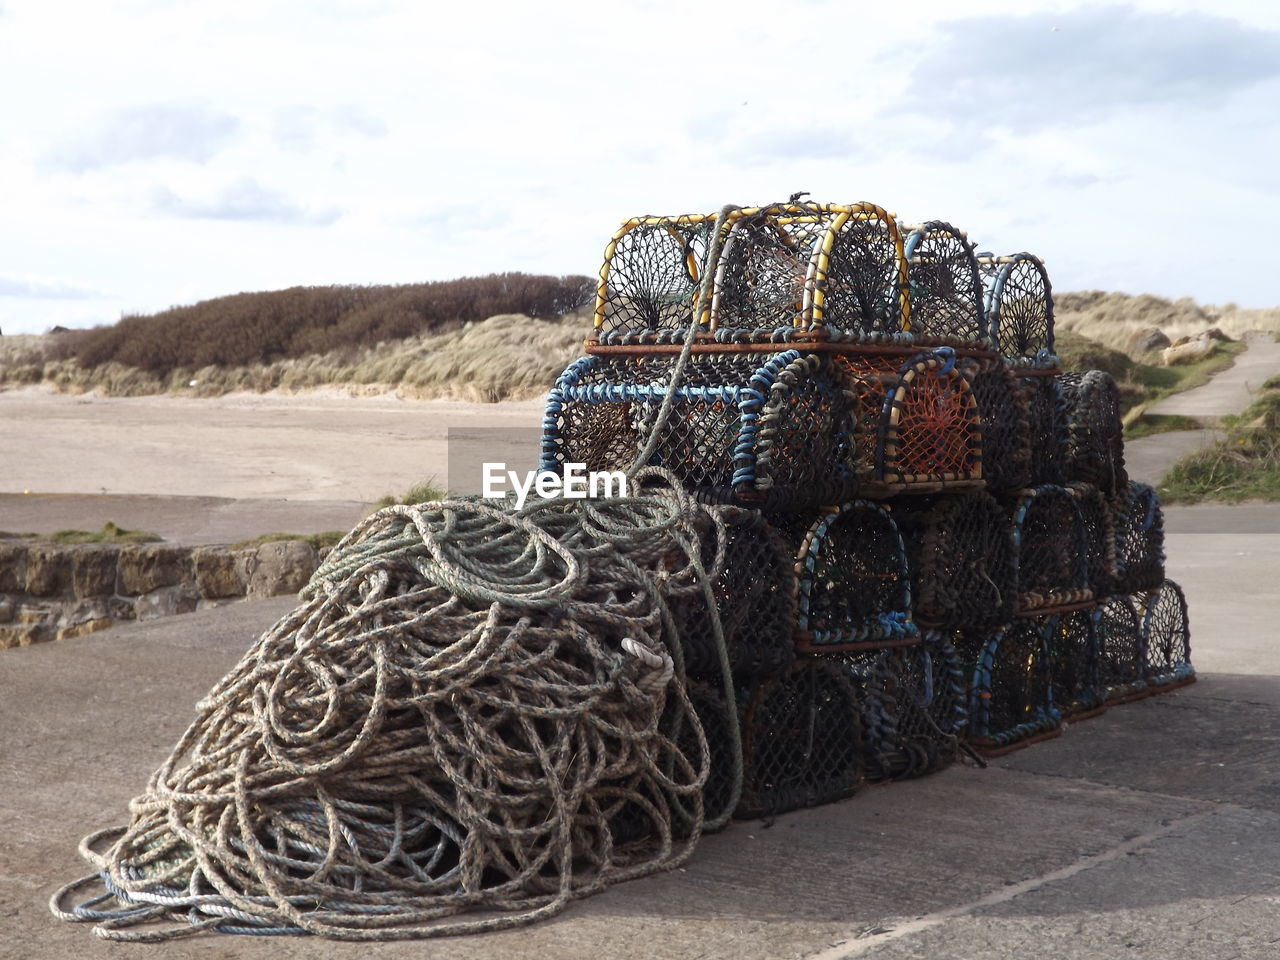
point(922, 697)
point(851, 581)
point(719, 728)
point(1120, 656)
point(1095, 441)
point(1074, 662)
point(1099, 523)
point(918, 425)
point(962, 557)
point(801, 739)
point(808, 266)
point(1011, 688)
point(946, 287)
point(1166, 637)
point(1002, 415)
point(1047, 434)
point(758, 429)
point(649, 282)
point(755, 598)
point(1139, 540)
point(1053, 550)
point(1019, 306)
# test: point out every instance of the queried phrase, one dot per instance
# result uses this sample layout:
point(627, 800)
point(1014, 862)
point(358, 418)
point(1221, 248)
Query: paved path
point(1230, 391)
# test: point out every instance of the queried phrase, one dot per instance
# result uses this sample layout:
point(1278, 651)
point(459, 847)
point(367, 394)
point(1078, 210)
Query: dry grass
point(1112, 318)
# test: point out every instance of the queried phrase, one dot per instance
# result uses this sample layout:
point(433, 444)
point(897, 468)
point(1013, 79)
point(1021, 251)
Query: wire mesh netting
point(1095, 441)
point(1003, 417)
point(1098, 515)
point(945, 285)
point(1074, 661)
point(1047, 429)
point(652, 269)
point(1166, 636)
point(766, 428)
point(1120, 657)
point(1053, 549)
point(755, 599)
point(1019, 305)
point(852, 580)
point(1010, 689)
point(801, 739)
point(963, 559)
point(917, 421)
point(1139, 540)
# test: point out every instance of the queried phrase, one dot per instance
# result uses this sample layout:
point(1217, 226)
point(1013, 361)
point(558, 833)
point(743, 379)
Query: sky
point(158, 153)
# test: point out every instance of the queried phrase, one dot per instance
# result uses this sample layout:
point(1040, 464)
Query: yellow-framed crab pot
point(918, 424)
point(945, 286)
point(755, 429)
point(789, 271)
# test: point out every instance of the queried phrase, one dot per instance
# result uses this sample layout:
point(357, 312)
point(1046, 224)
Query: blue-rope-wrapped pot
point(946, 286)
point(1005, 425)
point(1047, 430)
point(851, 582)
point(1095, 440)
point(1074, 662)
point(1166, 638)
point(757, 429)
point(1053, 549)
point(1019, 307)
point(1139, 540)
point(1011, 686)
point(1099, 516)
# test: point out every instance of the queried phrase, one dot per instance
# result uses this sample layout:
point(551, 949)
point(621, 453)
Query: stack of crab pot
point(930, 535)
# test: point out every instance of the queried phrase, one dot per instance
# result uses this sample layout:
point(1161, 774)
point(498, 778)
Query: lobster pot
point(1019, 306)
point(1100, 531)
point(1074, 661)
point(808, 266)
point(755, 596)
point(649, 282)
point(1166, 637)
point(762, 429)
point(945, 285)
point(1120, 656)
point(1095, 441)
point(1046, 429)
point(851, 581)
point(1053, 549)
point(1010, 688)
point(1140, 540)
point(631, 821)
point(917, 422)
point(962, 557)
point(921, 698)
point(1002, 415)
point(801, 739)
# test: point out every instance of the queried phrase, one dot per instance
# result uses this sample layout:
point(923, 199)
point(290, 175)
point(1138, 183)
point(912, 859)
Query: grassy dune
point(511, 355)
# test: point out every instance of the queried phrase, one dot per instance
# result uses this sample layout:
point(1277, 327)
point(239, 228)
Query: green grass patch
point(6, 535)
point(329, 538)
point(424, 492)
point(110, 533)
point(1149, 426)
point(1244, 465)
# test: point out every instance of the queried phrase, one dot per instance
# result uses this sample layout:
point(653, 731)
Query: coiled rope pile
point(474, 710)
point(471, 711)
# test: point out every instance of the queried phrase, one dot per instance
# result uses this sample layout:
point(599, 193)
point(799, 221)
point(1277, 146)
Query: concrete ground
point(1152, 831)
point(1230, 391)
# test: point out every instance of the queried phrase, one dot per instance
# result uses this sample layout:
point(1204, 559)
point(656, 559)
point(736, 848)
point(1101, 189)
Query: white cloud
point(172, 131)
point(243, 199)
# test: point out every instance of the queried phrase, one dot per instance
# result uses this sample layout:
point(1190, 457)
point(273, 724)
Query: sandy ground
point(306, 447)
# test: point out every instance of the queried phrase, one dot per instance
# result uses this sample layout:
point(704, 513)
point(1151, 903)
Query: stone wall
point(51, 592)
